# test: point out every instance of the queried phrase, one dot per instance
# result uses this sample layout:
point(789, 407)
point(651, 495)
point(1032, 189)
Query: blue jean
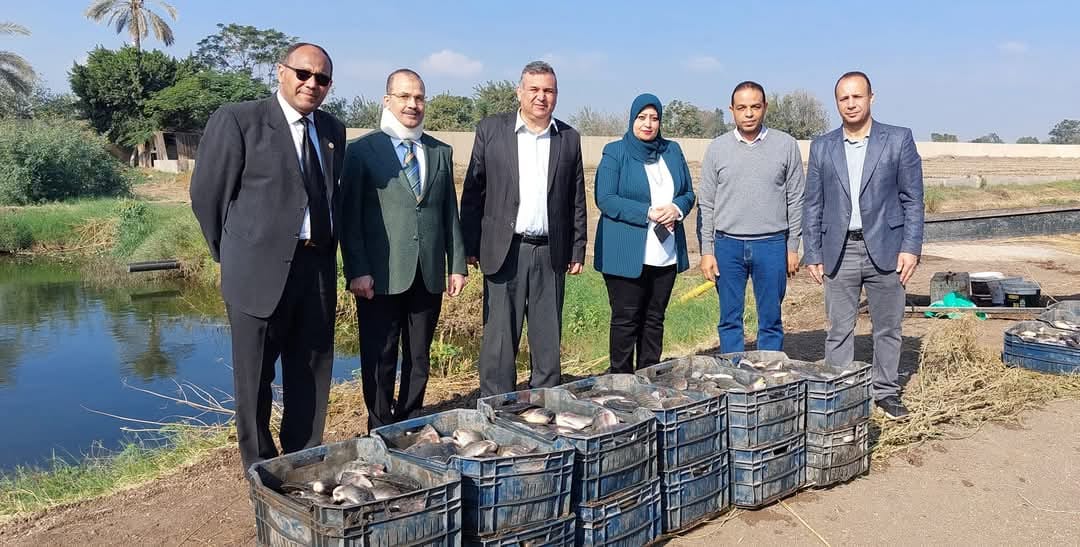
point(764, 261)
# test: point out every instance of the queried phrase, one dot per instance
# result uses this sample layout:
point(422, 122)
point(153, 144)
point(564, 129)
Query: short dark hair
point(537, 67)
point(289, 51)
point(405, 71)
point(854, 74)
point(749, 85)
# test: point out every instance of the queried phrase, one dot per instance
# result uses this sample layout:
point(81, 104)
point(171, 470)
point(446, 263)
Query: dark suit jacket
point(385, 231)
point(248, 194)
point(890, 198)
point(490, 199)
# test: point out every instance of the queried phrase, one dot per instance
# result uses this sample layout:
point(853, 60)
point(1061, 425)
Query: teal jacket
point(622, 194)
point(386, 233)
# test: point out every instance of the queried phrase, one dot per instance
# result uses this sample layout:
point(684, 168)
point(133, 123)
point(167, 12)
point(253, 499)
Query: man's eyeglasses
point(404, 97)
point(303, 75)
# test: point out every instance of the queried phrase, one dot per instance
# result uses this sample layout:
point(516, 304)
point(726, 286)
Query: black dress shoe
point(893, 408)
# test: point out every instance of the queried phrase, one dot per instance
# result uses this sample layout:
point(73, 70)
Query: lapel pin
point(330, 145)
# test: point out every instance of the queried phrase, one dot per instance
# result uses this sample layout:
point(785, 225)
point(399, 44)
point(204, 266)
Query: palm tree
point(135, 17)
point(15, 72)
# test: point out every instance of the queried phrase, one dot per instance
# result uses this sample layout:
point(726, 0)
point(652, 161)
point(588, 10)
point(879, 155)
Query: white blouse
point(661, 192)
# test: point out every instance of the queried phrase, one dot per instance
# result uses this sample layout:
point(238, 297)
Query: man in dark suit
point(863, 227)
point(400, 231)
point(263, 191)
point(523, 217)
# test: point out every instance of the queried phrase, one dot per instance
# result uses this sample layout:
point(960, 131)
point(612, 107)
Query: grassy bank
point(940, 199)
point(33, 489)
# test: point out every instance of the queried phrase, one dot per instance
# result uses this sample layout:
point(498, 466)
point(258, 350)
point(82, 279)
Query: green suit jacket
point(386, 233)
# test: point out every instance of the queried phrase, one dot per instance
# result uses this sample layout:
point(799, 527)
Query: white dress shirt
point(760, 137)
point(296, 127)
point(534, 150)
point(421, 158)
point(661, 192)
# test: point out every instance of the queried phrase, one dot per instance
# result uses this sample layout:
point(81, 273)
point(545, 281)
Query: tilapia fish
point(538, 415)
point(463, 437)
point(348, 494)
point(428, 433)
point(479, 449)
point(433, 450)
point(512, 450)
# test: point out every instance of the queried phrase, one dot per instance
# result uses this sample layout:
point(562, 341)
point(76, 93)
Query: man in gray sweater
point(750, 218)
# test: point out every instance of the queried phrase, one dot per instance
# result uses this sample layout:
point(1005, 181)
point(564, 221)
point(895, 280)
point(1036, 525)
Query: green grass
point(33, 489)
point(57, 224)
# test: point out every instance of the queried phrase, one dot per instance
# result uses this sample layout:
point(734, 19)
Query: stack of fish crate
point(838, 401)
point(766, 427)
point(694, 462)
point(1050, 344)
point(507, 500)
point(430, 515)
point(616, 488)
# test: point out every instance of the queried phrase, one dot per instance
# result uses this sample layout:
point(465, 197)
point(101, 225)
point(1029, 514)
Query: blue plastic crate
point(556, 533)
point(1057, 315)
point(605, 463)
point(764, 475)
point(498, 493)
point(685, 433)
point(837, 397)
point(1066, 305)
point(281, 520)
point(628, 519)
point(694, 493)
point(837, 457)
point(1038, 356)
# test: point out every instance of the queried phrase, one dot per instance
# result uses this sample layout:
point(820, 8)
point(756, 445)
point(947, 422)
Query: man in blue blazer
point(863, 227)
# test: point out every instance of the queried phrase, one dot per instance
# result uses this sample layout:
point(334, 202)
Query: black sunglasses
point(303, 75)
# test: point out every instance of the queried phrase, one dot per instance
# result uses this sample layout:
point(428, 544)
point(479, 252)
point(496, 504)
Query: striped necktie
point(412, 167)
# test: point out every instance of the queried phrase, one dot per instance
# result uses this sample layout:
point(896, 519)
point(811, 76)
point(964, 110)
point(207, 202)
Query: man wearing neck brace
point(401, 247)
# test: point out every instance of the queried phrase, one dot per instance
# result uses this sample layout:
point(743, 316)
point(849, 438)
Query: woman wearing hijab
point(643, 190)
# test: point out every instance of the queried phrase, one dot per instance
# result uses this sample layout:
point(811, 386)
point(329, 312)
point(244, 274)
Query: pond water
point(70, 346)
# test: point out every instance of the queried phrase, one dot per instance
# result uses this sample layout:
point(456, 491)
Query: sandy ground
point(969, 490)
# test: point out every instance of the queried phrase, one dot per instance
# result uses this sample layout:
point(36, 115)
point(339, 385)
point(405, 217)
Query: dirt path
point(945, 492)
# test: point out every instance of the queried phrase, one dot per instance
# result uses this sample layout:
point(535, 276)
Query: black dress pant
point(638, 306)
point(408, 318)
point(301, 332)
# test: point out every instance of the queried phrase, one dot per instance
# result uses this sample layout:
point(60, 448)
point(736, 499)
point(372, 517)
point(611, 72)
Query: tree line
point(1064, 132)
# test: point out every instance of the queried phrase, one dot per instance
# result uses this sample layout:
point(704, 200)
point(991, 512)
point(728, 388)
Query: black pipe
point(153, 265)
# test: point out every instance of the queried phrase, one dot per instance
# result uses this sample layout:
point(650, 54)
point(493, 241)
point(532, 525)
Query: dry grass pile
point(961, 385)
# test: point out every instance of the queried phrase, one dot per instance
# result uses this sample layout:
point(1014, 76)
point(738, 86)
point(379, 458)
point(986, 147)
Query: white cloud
point(451, 63)
point(702, 63)
point(1013, 47)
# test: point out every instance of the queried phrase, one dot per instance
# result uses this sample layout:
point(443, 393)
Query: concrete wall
point(694, 149)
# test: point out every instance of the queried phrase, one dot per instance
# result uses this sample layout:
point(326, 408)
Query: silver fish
point(774, 365)
point(718, 376)
point(354, 478)
point(759, 384)
point(572, 421)
point(383, 491)
point(321, 487)
point(314, 497)
point(348, 494)
point(359, 467)
point(680, 384)
point(538, 416)
point(671, 402)
point(434, 451)
point(511, 450)
point(605, 418)
point(480, 448)
point(426, 434)
point(464, 437)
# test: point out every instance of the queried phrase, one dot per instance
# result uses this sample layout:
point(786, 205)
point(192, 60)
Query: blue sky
point(967, 68)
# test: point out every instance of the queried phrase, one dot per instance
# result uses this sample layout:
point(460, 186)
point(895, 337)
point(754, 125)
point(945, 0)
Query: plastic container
point(630, 518)
point(685, 433)
point(498, 493)
point(837, 457)
point(943, 283)
point(1060, 318)
point(695, 493)
point(766, 416)
point(556, 533)
point(1022, 293)
point(764, 475)
point(605, 463)
point(282, 520)
point(986, 288)
point(1072, 306)
point(837, 397)
point(1039, 356)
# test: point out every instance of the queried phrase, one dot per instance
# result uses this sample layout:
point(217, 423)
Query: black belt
point(532, 240)
point(855, 235)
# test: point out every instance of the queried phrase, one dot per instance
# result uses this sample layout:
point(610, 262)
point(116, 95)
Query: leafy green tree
point(135, 17)
point(39, 103)
point(244, 48)
point(943, 137)
point(15, 73)
point(1027, 140)
point(1066, 132)
point(359, 112)
point(597, 124)
point(991, 138)
point(682, 119)
point(493, 97)
point(187, 104)
point(798, 114)
point(714, 123)
point(446, 112)
point(114, 105)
